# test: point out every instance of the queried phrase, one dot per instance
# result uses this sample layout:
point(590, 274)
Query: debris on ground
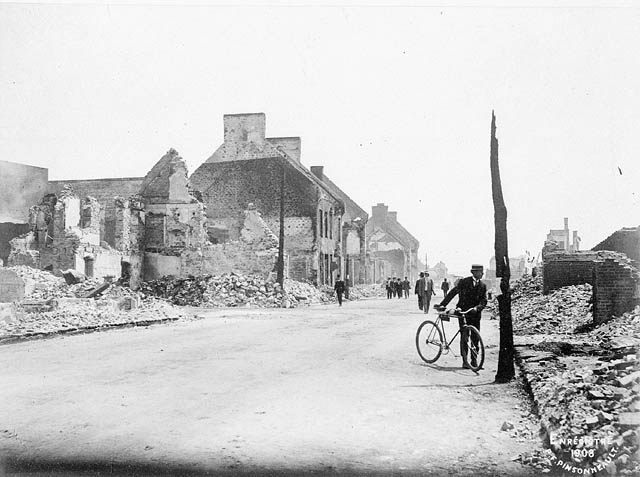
point(234, 290)
point(584, 378)
point(74, 302)
point(51, 305)
point(561, 311)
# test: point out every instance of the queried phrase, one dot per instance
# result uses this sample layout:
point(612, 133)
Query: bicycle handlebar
point(456, 311)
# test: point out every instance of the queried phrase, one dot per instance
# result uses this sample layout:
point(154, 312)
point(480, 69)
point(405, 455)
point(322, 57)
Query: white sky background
point(395, 102)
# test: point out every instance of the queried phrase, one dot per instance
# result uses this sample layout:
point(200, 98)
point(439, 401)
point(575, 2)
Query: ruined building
point(563, 238)
point(393, 250)
point(225, 217)
point(249, 168)
point(159, 230)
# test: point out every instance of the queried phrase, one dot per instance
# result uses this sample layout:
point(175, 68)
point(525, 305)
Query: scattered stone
point(506, 426)
point(629, 420)
point(629, 379)
point(72, 276)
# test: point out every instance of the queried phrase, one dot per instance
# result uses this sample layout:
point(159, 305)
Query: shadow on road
point(55, 467)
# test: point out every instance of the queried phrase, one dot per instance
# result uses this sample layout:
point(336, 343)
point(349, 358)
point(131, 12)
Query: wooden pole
point(280, 264)
point(506, 369)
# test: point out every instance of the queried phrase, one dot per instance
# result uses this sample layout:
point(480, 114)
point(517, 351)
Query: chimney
point(288, 145)
point(318, 171)
point(379, 212)
point(393, 216)
point(566, 223)
point(244, 127)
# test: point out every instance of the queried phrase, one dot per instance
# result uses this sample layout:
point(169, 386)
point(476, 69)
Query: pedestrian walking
point(406, 286)
point(428, 292)
point(339, 289)
point(388, 285)
point(473, 296)
point(419, 286)
point(399, 287)
point(445, 287)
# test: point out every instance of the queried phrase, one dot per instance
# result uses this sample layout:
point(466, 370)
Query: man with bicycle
point(473, 297)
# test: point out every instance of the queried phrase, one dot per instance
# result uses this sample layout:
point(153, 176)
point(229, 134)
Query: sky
point(394, 101)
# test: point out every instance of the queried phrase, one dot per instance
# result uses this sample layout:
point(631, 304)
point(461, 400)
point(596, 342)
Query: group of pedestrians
point(397, 288)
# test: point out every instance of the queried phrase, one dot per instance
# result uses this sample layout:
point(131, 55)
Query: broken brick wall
point(9, 231)
point(563, 269)
point(104, 191)
point(616, 287)
point(255, 252)
point(614, 278)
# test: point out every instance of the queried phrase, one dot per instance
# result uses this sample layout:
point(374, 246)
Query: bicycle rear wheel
point(474, 357)
point(429, 341)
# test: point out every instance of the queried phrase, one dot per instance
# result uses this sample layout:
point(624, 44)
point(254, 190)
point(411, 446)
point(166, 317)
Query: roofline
point(96, 180)
point(23, 164)
point(243, 114)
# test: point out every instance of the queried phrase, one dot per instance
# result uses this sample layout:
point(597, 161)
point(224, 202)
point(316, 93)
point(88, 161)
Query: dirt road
point(320, 389)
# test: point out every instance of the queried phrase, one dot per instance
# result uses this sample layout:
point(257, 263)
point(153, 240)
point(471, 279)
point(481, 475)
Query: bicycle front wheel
point(474, 355)
point(429, 341)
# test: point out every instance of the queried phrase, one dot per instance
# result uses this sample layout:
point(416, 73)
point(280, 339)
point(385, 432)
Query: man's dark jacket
point(470, 295)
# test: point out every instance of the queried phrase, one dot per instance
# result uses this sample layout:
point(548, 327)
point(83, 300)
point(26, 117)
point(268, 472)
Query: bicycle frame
point(439, 323)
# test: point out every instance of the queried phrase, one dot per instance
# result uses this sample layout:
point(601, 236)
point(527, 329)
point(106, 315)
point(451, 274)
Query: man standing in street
point(339, 289)
point(428, 292)
point(419, 286)
point(388, 286)
point(419, 290)
point(444, 287)
point(406, 286)
point(473, 297)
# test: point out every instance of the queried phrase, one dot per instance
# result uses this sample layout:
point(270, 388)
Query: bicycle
point(430, 342)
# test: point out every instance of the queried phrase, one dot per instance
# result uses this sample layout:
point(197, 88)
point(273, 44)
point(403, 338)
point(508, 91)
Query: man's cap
point(476, 267)
point(422, 274)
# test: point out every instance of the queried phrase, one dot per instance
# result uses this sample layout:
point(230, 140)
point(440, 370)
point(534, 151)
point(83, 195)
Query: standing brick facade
point(354, 237)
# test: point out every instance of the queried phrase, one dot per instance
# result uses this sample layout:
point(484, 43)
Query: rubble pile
point(359, 292)
point(233, 290)
point(306, 293)
point(39, 284)
point(229, 289)
point(587, 392)
point(559, 312)
point(51, 305)
point(598, 403)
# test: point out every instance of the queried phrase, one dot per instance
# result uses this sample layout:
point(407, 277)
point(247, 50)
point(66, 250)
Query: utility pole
point(506, 371)
point(280, 264)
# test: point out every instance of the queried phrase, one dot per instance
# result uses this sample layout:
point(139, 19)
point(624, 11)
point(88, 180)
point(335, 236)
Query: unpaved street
point(315, 389)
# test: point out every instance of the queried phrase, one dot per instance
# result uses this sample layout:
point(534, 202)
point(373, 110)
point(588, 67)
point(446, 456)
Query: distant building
point(563, 238)
point(393, 251)
point(439, 271)
point(517, 267)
